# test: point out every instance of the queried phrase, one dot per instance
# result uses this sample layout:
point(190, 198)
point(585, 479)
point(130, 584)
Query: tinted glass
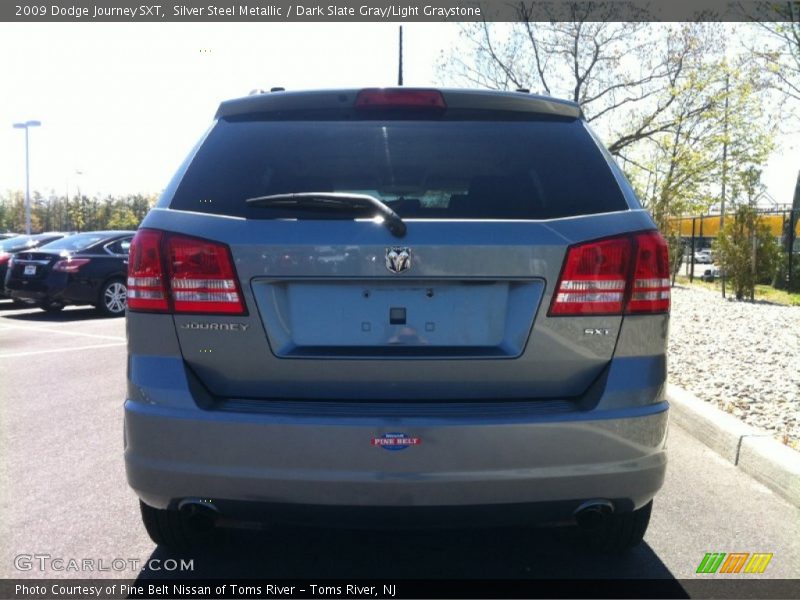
point(451, 169)
point(18, 243)
point(76, 242)
point(121, 247)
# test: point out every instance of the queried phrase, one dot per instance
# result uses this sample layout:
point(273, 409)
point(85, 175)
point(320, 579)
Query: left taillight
point(201, 276)
point(181, 274)
point(146, 286)
point(4, 257)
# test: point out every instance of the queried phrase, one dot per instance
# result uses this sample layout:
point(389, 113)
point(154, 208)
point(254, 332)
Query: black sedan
point(85, 268)
point(19, 243)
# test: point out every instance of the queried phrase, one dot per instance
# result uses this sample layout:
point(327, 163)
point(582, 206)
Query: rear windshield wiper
point(336, 202)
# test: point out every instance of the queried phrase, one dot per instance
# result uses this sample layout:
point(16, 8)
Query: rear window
point(438, 169)
point(75, 242)
point(19, 243)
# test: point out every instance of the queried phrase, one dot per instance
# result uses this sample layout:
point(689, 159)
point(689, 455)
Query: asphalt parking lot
point(63, 491)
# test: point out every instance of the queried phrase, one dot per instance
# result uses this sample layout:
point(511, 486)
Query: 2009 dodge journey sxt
point(426, 306)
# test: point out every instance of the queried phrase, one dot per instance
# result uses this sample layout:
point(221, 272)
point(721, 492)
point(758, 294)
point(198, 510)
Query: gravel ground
point(744, 357)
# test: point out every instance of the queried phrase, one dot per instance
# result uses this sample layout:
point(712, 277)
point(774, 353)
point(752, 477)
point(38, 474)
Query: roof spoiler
point(454, 98)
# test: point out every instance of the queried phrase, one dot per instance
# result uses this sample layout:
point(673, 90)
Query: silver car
point(703, 257)
point(402, 306)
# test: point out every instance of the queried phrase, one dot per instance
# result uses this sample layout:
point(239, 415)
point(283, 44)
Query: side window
point(120, 247)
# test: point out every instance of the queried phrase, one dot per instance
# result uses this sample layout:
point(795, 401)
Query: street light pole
point(400, 61)
point(27, 125)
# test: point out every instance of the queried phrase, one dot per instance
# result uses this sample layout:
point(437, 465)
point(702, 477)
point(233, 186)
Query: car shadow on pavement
point(9, 305)
point(36, 315)
point(508, 553)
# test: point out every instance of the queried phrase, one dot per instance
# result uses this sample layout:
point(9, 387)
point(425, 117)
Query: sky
point(121, 104)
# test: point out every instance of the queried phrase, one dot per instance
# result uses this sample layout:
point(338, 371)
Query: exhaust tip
point(202, 512)
point(593, 513)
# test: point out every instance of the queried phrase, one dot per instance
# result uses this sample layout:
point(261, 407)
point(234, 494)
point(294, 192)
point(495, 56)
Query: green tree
point(78, 213)
point(14, 203)
point(721, 129)
point(123, 218)
point(748, 252)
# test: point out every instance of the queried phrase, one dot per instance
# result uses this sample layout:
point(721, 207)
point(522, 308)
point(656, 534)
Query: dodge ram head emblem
point(398, 259)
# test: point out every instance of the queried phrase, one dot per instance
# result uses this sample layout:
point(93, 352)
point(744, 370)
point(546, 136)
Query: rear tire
point(621, 531)
point(113, 299)
point(173, 529)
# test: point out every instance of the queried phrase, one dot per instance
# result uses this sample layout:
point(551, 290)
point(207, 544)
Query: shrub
point(747, 251)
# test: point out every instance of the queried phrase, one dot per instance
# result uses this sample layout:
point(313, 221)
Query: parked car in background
point(711, 274)
point(18, 243)
point(703, 257)
point(424, 305)
point(85, 268)
point(5, 236)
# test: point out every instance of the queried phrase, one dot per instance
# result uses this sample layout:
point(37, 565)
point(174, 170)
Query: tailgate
point(465, 321)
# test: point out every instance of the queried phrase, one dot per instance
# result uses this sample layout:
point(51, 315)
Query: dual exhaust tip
point(590, 515)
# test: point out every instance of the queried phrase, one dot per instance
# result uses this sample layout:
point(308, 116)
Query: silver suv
point(422, 306)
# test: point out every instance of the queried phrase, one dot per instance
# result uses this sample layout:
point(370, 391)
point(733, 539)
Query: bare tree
point(626, 76)
point(780, 52)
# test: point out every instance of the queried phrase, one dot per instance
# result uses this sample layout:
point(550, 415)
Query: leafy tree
point(123, 218)
point(682, 171)
point(84, 213)
point(14, 212)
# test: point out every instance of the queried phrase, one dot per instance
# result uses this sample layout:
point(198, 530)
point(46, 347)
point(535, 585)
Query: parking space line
point(91, 335)
point(72, 349)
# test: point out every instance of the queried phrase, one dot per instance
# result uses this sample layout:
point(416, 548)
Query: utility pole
point(724, 172)
point(794, 217)
point(400, 64)
point(753, 250)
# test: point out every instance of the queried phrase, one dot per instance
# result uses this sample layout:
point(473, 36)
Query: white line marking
point(18, 354)
point(91, 335)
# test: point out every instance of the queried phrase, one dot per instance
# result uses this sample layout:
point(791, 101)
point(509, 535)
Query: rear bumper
point(53, 286)
point(511, 458)
point(60, 287)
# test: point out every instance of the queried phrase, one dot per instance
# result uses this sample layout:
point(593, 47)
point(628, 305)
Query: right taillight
point(181, 274)
point(628, 274)
point(650, 285)
point(70, 265)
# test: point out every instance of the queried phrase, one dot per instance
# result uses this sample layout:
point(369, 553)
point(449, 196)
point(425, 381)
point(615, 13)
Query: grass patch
point(763, 292)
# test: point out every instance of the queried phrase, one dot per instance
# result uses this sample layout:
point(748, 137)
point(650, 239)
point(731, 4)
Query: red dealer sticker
point(395, 441)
